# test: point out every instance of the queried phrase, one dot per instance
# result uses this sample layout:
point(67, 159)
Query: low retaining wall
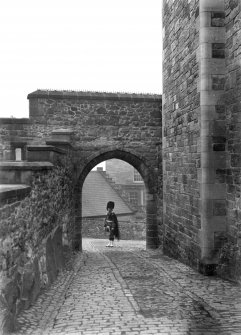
point(35, 220)
point(129, 229)
point(20, 290)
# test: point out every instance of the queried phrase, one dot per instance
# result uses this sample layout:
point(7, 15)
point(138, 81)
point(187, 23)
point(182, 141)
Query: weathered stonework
point(202, 57)
point(130, 228)
point(181, 130)
point(105, 125)
point(31, 248)
point(230, 255)
point(88, 128)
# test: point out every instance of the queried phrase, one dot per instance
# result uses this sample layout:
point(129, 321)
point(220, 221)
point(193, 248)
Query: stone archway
point(148, 175)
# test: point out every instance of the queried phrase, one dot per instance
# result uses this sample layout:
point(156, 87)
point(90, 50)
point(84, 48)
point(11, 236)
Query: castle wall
point(233, 116)
point(130, 228)
point(181, 130)
point(33, 221)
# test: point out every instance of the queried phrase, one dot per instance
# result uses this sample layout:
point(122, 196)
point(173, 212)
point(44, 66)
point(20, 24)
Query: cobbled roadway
point(128, 290)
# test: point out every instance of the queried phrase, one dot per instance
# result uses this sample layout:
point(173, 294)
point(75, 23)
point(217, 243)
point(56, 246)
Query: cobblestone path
point(127, 290)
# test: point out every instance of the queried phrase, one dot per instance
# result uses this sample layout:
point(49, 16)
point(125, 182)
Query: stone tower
point(201, 129)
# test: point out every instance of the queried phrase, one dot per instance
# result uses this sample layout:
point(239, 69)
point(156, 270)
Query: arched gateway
point(149, 177)
point(101, 126)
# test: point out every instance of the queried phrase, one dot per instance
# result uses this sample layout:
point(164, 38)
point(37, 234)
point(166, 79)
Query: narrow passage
point(127, 290)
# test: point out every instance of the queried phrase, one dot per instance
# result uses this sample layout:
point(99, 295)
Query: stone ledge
point(23, 165)
point(44, 153)
point(61, 144)
point(14, 121)
point(63, 132)
point(8, 191)
point(95, 96)
point(45, 148)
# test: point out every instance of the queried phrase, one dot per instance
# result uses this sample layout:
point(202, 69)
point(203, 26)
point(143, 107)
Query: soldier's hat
point(110, 204)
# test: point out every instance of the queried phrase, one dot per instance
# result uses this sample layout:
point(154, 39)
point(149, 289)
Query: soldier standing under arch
point(111, 224)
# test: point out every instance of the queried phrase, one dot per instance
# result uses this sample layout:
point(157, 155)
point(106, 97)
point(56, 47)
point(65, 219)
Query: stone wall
point(120, 172)
point(130, 228)
point(230, 259)
point(31, 248)
point(96, 126)
point(100, 120)
point(233, 114)
point(14, 133)
point(105, 126)
point(181, 130)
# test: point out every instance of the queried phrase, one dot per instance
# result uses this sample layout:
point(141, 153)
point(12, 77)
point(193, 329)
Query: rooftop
point(96, 193)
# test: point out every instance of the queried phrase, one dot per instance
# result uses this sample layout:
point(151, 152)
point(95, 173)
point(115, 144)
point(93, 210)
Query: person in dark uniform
point(111, 224)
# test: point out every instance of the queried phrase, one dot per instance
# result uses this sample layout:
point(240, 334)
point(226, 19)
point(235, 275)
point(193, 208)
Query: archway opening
point(118, 181)
point(150, 185)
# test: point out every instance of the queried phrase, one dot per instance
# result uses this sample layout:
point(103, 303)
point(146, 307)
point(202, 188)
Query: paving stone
point(128, 290)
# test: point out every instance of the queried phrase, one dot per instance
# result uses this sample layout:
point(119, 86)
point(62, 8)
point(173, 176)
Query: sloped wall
point(31, 234)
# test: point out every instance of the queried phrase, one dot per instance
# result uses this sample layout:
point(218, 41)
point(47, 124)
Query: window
point(18, 154)
point(137, 176)
point(133, 198)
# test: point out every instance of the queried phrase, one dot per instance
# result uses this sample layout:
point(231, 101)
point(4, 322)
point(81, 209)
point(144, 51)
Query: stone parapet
point(10, 193)
point(13, 172)
point(14, 121)
point(82, 95)
point(46, 153)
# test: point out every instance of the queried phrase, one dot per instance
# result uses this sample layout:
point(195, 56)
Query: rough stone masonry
point(192, 143)
point(201, 133)
point(45, 160)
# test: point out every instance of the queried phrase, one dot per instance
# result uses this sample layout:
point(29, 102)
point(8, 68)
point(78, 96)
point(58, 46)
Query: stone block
point(9, 296)
point(44, 153)
point(21, 172)
point(58, 248)
point(210, 98)
point(214, 191)
point(219, 147)
point(219, 207)
point(207, 269)
point(220, 238)
point(62, 135)
point(212, 35)
point(34, 109)
point(218, 50)
point(213, 5)
point(218, 19)
point(50, 261)
point(212, 67)
point(220, 175)
point(235, 160)
point(218, 82)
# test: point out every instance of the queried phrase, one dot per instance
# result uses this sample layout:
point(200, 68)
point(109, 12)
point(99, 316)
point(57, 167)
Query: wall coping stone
point(4, 120)
point(23, 165)
point(56, 143)
point(62, 132)
point(104, 215)
point(88, 95)
point(13, 190)
point(45, 148)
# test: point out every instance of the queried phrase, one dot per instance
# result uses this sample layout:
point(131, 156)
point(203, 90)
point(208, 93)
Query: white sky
point(96, 45)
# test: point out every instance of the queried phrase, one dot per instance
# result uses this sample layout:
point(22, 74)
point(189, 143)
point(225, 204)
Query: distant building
point(130, 181)
point(98, 189)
